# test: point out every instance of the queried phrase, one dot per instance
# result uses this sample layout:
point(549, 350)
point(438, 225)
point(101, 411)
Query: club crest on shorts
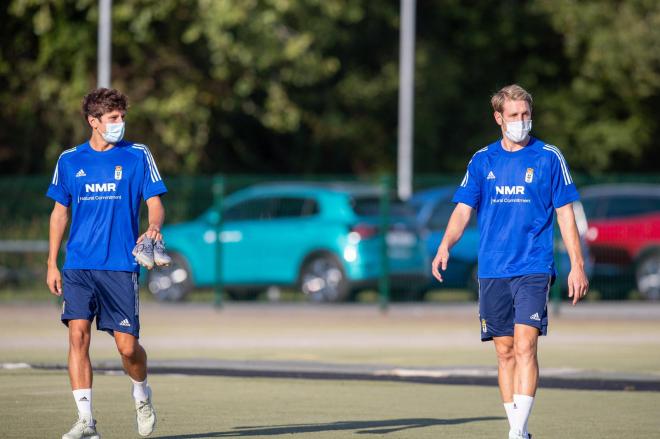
point(529, 175)
point(484, 329)
point(117, 172)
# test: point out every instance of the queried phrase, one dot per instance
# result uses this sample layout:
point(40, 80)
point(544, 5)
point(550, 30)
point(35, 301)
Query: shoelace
point(144, 409)
point(81, 424)
point(145, 245)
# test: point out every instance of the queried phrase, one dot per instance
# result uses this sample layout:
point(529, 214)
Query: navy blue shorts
point(505, 302)
point(110, 296)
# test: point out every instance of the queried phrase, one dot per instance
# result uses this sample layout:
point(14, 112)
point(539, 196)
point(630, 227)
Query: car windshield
point(370, 206)
point(620, 206)
point(416, 206)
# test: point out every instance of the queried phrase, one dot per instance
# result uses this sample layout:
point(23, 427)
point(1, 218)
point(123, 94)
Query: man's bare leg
point(527, 367)
point(133, 356)
point(80, 367)
point(80, 375)
point(506, 365)
point(525, 341)
point(134, 359)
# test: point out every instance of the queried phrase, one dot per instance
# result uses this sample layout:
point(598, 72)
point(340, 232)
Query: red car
point(624, 237)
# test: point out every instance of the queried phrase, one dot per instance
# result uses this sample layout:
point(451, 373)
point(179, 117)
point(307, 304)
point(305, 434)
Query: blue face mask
point(114, 132)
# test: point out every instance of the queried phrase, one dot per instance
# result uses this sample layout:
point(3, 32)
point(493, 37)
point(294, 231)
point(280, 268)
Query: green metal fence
point(24, 217)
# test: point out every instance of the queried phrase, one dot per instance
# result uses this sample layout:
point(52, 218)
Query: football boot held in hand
point(149, 252)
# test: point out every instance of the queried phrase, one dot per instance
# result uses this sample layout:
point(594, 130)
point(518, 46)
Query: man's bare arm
point(457, 223)
point(578, 284)
point(156, 218)
point(58, 222)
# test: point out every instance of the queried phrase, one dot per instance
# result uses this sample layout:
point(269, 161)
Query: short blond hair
point(512, 92)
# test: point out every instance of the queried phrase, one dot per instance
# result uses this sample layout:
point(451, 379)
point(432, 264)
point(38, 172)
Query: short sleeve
point(469, 191)
point(563, 187)
point(58, 189)
point(152, 182)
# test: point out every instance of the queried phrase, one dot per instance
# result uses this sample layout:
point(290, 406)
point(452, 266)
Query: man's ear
point(92, 121)
point(498, 118)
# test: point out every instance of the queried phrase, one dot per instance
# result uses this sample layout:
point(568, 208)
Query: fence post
point(59, 300)
point(384, 281)
point(218, 188)
point(556, 289)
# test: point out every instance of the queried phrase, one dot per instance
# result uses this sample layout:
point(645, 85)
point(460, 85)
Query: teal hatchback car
point(323, 239)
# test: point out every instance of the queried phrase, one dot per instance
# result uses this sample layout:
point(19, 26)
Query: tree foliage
point(304, 86)
point(607, 110)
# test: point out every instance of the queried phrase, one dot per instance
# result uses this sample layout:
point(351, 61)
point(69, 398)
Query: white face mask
point(518, 130)
point(114, 132)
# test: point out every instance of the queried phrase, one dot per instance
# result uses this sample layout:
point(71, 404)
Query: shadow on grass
point(362, 427)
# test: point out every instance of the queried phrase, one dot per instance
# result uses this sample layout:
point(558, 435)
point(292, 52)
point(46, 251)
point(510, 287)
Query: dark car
point(624, 237)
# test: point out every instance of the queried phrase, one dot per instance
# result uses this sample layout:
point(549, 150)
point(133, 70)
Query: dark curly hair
point(103, 100)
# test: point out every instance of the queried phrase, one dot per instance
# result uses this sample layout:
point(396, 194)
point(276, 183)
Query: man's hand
point(578, 284)
point(440, 261)
point(458, 221)
point(152, 232)
point(54, 280)
point(58, 219)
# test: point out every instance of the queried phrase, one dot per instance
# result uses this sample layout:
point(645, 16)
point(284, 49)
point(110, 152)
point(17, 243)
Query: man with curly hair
point(101, 183)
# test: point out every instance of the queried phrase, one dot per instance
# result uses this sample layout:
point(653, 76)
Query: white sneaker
point(161, 258)
point(145, 415)
point(515, 435)
point(84, 428)
point(144, 253)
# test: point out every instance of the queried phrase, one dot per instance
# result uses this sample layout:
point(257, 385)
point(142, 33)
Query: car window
point(591, 208)
point(370, 206)
point(417, 206)
point(442, 212)
point(262, 209)
point(255, 209)
point(291, 207)
point(624, 206)
point(440, 215)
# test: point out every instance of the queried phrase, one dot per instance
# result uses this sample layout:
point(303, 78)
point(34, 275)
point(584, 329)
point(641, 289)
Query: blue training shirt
point(515, 194)
point(104, 190)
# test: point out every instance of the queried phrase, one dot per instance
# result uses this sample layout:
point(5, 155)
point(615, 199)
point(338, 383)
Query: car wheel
point(647, 275)
point(172, 283)
point(322, 279)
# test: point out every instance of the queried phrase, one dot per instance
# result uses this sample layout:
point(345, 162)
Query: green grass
point(424, 336)
point(39, 404)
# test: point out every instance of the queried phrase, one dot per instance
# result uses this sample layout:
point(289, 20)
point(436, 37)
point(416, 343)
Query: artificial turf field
point(39, 405)
point(613, 338)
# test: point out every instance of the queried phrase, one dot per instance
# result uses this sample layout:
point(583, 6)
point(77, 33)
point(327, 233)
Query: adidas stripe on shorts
point(112, 297)
point(505, 302)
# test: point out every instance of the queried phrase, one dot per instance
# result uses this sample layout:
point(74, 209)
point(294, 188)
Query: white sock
point(83, 398)
point(510, 408)
point(524, 404)
point(140, 390)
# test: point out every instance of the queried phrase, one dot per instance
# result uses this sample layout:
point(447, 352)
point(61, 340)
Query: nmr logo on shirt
point(105, 187)
point(510, 190)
